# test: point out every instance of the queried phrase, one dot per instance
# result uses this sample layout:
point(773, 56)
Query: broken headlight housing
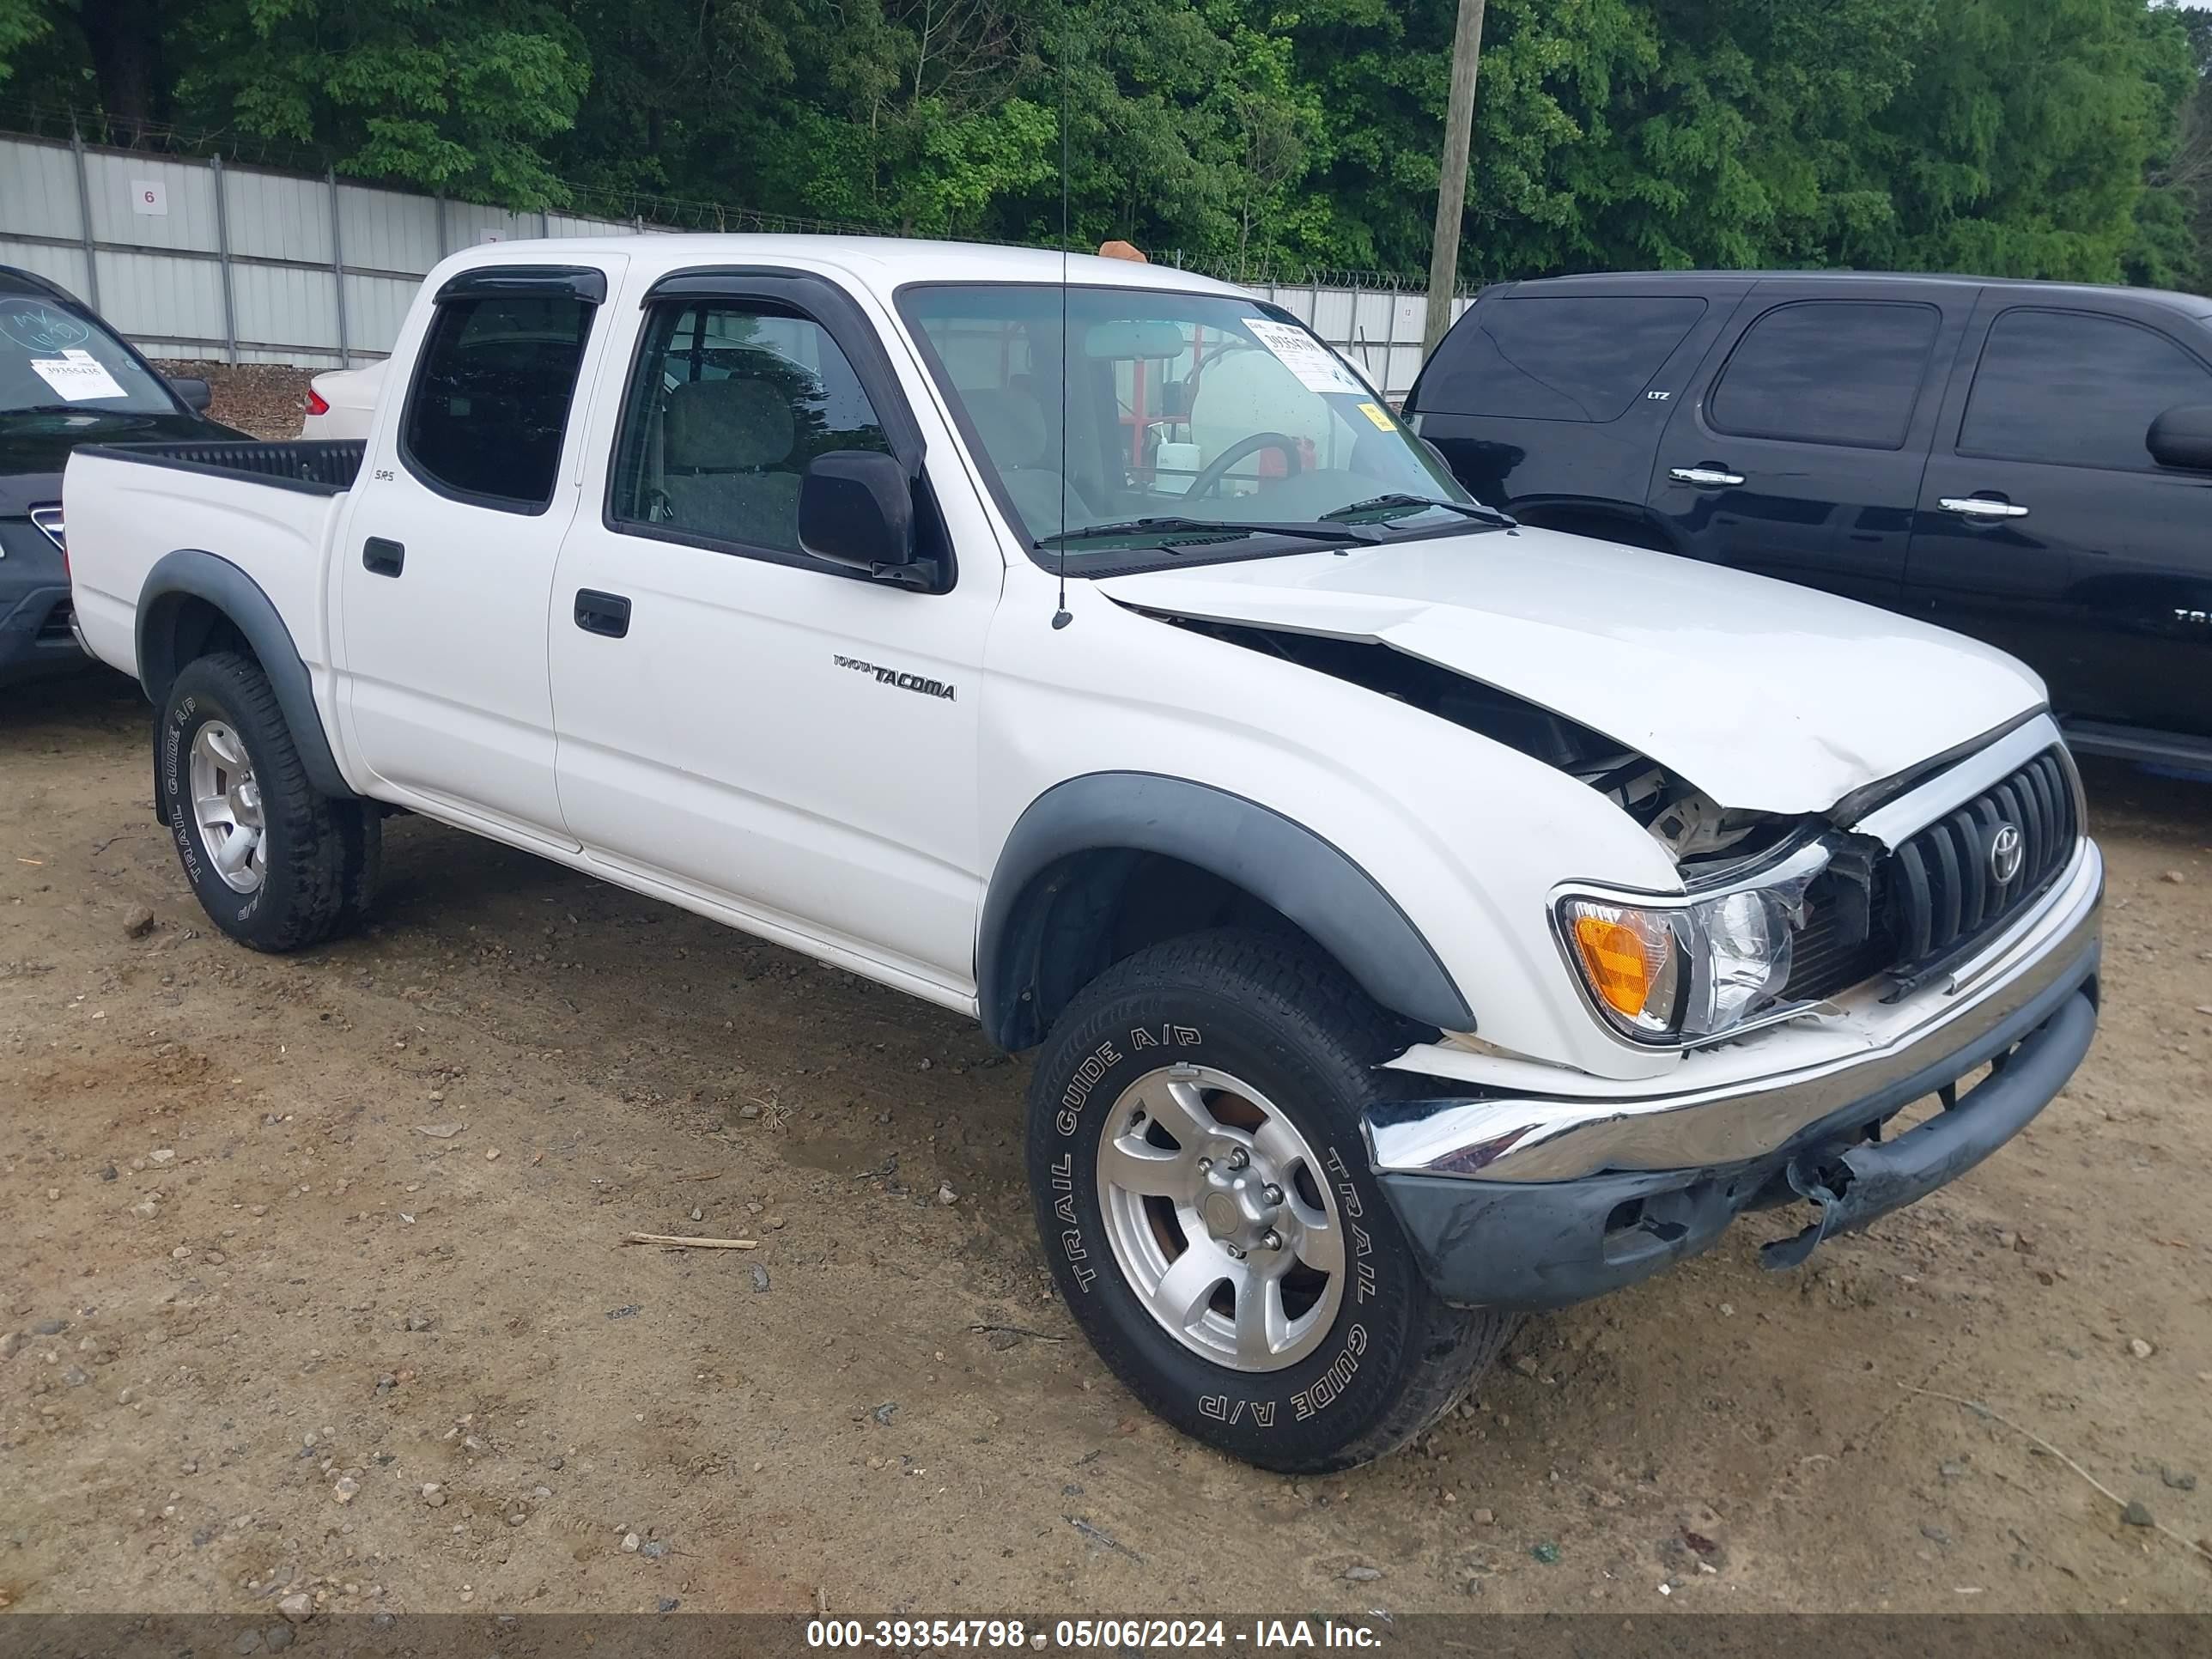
point(1677, 971)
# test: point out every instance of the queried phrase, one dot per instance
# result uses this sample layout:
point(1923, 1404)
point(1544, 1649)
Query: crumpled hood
point(1768, 696)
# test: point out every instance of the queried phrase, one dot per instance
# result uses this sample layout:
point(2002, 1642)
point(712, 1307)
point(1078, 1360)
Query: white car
point(342, 403)
point(1418, 919)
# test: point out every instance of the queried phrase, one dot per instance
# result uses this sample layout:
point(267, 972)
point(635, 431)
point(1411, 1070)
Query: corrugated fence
point(199, 259)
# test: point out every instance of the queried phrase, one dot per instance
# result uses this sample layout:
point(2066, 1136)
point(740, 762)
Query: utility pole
point(1451, 180)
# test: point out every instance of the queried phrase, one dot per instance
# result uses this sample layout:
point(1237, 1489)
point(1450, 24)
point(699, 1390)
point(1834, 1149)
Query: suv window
point(1827, 372)
point(2079, 389)
point(728, 403)
point(1541, 357)
point(491, 395)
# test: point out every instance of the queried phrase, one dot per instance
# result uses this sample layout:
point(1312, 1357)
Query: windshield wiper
point(1489, 515)
point(1314, 530)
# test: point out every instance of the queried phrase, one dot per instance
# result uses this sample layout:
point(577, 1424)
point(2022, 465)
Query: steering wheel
point(1210, 479)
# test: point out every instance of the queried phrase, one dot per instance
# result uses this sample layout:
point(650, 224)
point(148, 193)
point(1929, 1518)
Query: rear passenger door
point(449, 541)
point(2046, 528)
point(742, 724)
point(1800, 456)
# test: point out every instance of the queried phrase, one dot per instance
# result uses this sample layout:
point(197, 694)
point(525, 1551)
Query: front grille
point(1936, 898)
point(1943, 891)
point(56, 627)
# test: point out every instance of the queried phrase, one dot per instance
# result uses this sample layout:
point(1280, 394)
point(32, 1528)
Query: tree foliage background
point(2062, 138)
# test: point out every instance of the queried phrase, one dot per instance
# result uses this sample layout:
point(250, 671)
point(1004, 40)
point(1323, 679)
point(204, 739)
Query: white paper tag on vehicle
point(1315, 365)
point(77, 375)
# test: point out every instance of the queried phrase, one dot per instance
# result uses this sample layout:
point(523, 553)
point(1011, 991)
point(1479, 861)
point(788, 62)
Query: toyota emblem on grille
point(2005, 853)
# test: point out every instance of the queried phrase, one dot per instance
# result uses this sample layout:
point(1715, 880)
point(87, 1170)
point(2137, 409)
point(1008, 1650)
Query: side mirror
point(196, 392)
point(856, 509)
point(2183, 437)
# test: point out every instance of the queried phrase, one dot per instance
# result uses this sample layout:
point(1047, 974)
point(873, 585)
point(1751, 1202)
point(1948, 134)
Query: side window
point(491, 394)
point(2078, 390)
point(1541, 358)
point(1827, 372)
point(729, 400)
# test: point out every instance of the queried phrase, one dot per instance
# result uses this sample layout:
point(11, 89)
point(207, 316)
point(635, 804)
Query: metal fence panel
point(388, 230)
point(162, 302)
point(274, 215)
point(180, 215)
point(375, 307)
point(41, 194)
point(64, 265)
point(286, 314)
point(204, 259)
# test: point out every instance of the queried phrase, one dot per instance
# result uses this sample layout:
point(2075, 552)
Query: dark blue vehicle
point(65, 379)
point(2028, 463)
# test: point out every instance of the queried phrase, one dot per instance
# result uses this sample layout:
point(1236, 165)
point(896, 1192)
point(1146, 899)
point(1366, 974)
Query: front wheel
point(1203, 1189)
point(275, 864)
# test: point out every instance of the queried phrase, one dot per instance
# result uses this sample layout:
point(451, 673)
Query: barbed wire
point(643, 210)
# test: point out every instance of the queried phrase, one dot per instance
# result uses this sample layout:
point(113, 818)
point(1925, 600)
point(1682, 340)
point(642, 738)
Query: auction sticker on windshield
point(77, 375)
point(1314, 363)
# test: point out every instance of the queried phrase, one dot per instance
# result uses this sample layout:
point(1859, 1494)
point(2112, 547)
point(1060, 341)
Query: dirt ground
point(270, 1335)
point(265, 400)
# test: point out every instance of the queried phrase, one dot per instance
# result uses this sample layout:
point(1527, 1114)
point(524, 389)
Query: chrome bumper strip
point(1528, 1137)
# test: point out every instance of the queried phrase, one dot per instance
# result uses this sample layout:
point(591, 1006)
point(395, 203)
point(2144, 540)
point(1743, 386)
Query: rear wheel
point(1202, 1187)
point(276, 865)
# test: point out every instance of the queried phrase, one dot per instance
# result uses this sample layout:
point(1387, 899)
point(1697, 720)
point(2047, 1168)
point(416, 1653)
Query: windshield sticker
point(78, 376)
point(1314, 364)
point(36, 327)
point(1374, 413)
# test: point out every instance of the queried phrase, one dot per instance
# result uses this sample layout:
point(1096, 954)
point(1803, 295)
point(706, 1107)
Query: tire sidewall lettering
point(185, 717)
point(1243, 1404)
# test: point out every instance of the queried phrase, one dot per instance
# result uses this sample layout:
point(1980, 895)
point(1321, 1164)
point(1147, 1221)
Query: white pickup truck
point(1419, 920)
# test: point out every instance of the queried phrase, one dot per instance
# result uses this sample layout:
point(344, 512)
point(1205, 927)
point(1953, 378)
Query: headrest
point(1011, 425)
point(721, 426)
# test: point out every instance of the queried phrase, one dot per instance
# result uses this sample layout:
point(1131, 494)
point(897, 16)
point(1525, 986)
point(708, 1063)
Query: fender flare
point(1276, 859)
point(190, 572)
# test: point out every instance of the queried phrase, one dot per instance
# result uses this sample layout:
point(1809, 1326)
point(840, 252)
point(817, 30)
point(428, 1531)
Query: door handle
point(1981, 506)
point(602, 613)
point(382, 558)
point(1706, 476)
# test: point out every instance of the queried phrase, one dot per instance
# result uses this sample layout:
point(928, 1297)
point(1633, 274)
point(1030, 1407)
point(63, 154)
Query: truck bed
point(270, 509)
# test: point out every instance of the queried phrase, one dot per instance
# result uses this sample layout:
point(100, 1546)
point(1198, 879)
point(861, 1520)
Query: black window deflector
point(827, 305)
point(585, 283)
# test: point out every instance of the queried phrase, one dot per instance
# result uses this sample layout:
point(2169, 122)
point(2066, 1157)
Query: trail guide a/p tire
point(1204, 1197)
point(276, 865)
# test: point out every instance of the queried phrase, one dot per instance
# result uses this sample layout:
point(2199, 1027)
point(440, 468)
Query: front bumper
point(1527, 1202)
point(36, 637)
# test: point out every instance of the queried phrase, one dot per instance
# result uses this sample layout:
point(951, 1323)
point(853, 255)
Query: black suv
point(2029, 462)
point(65, 380)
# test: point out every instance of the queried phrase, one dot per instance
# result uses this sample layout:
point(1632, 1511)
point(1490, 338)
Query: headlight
point(1687, 971)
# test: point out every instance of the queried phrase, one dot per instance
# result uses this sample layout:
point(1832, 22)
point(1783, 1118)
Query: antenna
point(1060, 618)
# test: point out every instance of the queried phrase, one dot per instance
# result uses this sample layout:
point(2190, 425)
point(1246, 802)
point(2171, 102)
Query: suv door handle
point(382, 558)
point(1706, 476)
point(1981, 506)
point(602, 613)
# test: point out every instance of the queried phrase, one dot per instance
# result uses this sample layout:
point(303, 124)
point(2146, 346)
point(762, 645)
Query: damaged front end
point(1701, 835)
point(1818, 897)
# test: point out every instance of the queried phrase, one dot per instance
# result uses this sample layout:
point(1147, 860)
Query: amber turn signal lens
point(1615, 955)
point(1628, 959)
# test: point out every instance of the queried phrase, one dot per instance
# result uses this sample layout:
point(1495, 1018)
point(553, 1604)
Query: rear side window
point(1541, 357)
point(2078, 390)
point(491, 395)
point(1827, 372)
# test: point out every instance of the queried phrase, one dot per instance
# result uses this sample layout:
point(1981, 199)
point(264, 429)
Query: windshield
point(56, 360)
point(1205, 425)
